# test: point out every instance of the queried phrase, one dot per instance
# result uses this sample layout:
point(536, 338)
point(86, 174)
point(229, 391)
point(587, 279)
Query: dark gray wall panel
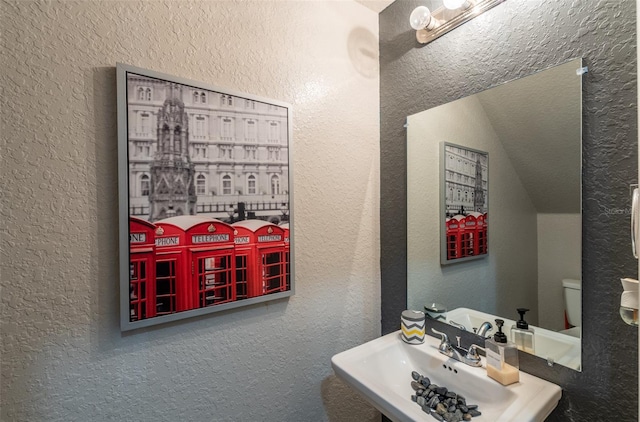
point(513, 40)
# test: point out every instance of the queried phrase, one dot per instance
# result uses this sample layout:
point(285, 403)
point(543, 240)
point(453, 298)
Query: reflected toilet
point(572, 292)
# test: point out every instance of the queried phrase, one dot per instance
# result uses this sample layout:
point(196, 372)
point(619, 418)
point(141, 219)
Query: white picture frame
point(213, 166)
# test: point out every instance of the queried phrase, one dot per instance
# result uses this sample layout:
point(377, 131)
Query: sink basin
point(381, 371)
point(550, 345)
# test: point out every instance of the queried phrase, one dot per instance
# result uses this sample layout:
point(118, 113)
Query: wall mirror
point(531, 129)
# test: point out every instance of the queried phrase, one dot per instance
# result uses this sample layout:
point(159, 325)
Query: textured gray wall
point(513, 40)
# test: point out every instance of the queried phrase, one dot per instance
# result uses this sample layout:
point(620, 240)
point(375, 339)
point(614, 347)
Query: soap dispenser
point(522, 335)
point(502, 358)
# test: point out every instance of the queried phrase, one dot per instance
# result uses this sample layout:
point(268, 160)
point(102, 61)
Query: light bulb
point(420, 18)
point(456, 4)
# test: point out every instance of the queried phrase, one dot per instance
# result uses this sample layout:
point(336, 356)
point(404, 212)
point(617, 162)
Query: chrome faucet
point(469, 357)
point(484, 328)
point(457, 325)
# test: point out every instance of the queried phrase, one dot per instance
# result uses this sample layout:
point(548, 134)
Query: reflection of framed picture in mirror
point(464, 203)
point(205, 198)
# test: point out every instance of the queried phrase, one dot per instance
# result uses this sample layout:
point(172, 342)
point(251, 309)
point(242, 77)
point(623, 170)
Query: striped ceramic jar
point(412, 327)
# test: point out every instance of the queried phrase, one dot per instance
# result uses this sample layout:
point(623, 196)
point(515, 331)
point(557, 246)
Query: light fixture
point(456, 4)
point(451, 14)
point(421, 19)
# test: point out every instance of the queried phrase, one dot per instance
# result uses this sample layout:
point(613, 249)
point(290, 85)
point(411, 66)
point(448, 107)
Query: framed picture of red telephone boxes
point(205, 207)
point(464, 200)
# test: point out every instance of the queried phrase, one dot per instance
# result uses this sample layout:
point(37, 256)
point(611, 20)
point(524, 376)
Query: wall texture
point(63, 356)
point(512, 40)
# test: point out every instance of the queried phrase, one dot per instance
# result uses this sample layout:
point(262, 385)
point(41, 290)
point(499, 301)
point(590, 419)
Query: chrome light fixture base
point(447, 20)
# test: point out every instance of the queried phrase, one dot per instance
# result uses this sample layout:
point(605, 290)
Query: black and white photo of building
point(194, 151)
point(465, 181)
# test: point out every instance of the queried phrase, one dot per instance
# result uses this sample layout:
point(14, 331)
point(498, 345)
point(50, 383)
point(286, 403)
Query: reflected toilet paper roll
point(412, 324)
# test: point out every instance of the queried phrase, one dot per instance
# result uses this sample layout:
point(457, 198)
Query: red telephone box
point(468, 244)
point(171, 268)
point(262, 245)
point(287, 259)
point(195, 263)
point(141, 269)
point(211, 252)
point(455, 229)
point(483, 237)
point(480, 233)
point(244, 271)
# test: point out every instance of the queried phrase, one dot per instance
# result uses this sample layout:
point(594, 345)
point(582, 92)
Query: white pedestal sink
point(381, 371)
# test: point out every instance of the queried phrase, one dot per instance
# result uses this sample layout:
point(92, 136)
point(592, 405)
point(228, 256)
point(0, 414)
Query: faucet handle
point(444, 339)
point(473, 352)
point(441, 334)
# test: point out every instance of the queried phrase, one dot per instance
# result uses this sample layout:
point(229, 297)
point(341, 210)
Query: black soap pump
point(502, 357)
point(522, 335)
